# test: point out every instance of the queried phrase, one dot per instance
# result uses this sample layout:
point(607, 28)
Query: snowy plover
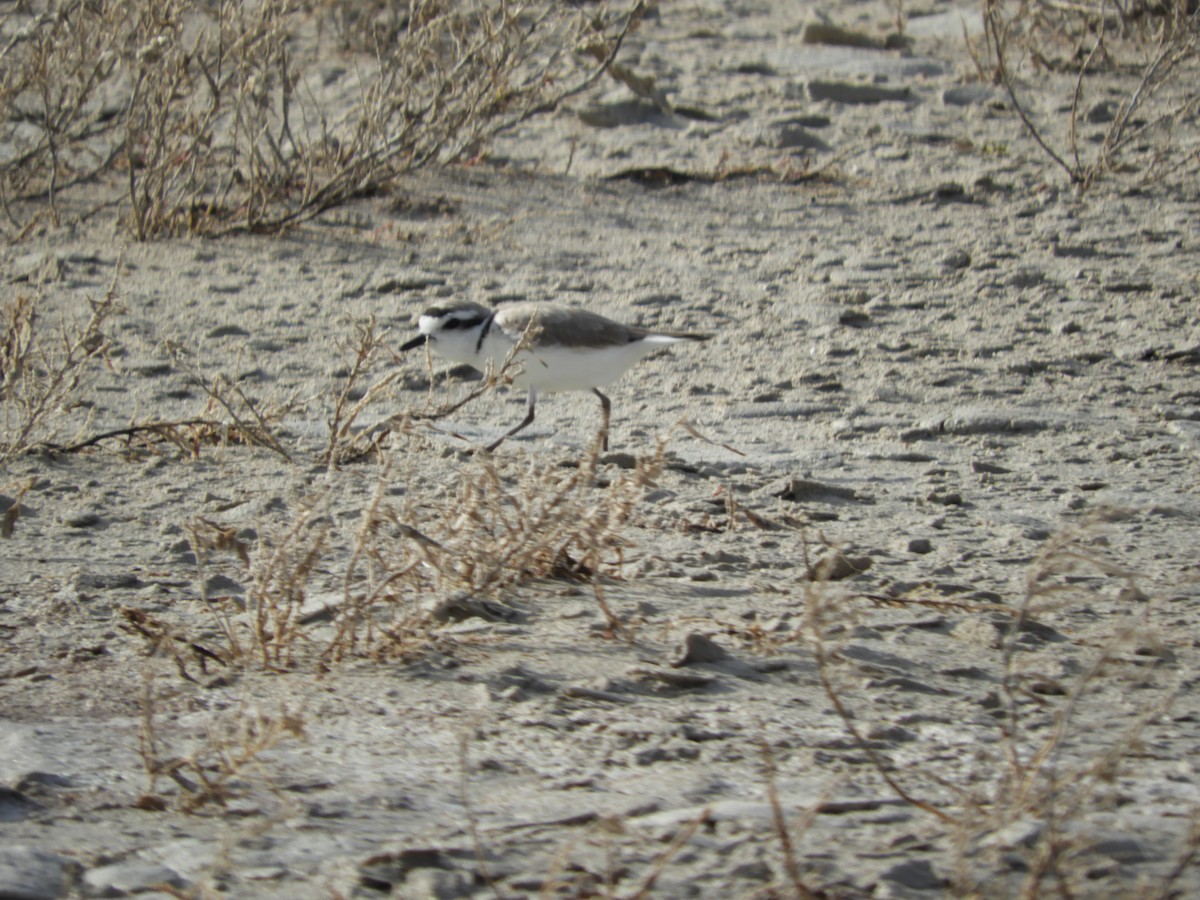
point(567, 349)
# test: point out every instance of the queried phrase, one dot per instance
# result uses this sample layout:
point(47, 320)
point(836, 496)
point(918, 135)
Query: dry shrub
point(219, 115)
point(228, 763)
point(352, 399)
point(459, 554)
point(41, 371)
point(1135, 71)
point(434, 555)
point(45, 373)
point(55, 60)
point(1038, 775)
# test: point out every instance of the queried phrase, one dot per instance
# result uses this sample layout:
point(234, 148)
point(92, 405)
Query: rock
point(1102, 113)
point(755, 870)
point(15, 806)
point(1027, 278)
point(84, 518)
point(894, 734)
point(818, 32)
point(1125, 850)
point(920, 545)
point(849, 93)
point(916, 874)
point(968, 95)
point(35, 782)
point(223, 586)
point(981, 632)
point(956, 259)
point(27, 873)
point(802, 490)
point(699, 648)
point(131, 877)
point(228, 331)
point(835, 565)
point(1021, 833)
point(437, 884)
point(669, 752)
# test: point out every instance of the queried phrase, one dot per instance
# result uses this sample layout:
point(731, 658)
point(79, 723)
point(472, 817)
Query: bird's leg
point(524, 422)
point(606, 406)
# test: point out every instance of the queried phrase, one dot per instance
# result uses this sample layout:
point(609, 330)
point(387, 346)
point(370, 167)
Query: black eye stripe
point(452, 323)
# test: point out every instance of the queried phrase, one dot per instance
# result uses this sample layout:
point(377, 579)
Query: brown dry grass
point(1145, 129)
point(45, 371)
point(435, 555)
point(210, 117)
point(1037, 776)
point(226, 763)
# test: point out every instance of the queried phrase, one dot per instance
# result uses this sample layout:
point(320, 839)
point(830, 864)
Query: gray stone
point(222, 585)
point(1103, 112)
point(437, 884)
point(27, 873)
point(131, 877)
point(699, 648)
point(793, 137)
point(818, 32)
point(968, 95)
point(856, 94)
point(916, 874)
point(956, 259)
point(14, 805)
point(84, 518)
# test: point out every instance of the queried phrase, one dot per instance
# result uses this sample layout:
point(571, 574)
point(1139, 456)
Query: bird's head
point(450, 330)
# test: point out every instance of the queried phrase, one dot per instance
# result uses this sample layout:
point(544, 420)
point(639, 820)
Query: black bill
point(415, 342)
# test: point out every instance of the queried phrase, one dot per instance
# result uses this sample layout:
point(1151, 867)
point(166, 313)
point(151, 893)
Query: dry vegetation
point(44, 368)
point(1143, 125)
point(211, 115)
point(438, 555)
point(1034, 780)
point(207, 117)
point(224, 764)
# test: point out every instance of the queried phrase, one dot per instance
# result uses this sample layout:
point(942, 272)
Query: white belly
point(573, 368)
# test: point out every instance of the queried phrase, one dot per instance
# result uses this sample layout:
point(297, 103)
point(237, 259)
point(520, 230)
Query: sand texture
point(900, 565)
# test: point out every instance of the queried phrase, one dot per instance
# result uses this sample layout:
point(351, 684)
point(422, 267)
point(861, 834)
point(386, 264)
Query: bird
point(562, 348)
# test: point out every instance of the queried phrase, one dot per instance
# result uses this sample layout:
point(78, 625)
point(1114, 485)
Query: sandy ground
point(934, 360)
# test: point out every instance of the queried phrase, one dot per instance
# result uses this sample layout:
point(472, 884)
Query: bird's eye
point(451, 324)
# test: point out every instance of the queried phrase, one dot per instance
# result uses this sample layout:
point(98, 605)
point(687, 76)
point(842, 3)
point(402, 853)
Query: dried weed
point(434, 554)
point(227, 764)
point(1038, 776)
point(43, 373)
point(1152, 48)
point(218, 117)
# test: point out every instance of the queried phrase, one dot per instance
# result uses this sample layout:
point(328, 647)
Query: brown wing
point(575, 327)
